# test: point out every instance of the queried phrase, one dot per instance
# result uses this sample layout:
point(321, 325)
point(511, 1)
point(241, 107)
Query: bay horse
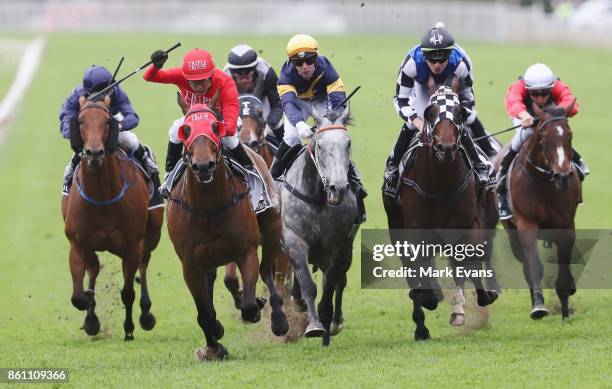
point(438, 191)
point(545, 192)
point(106, 210)
point(318, 211)
point(252, 134)
point(211, 223)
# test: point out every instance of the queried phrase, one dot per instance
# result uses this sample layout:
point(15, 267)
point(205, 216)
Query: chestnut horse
point(106, 210)
point(252, 135)
point(545, 192)
point(438, 191)
point(211, 223)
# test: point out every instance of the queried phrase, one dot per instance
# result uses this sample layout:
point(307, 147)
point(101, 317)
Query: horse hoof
point(205, 354)
point(91, 325)
point(128, 337)
point(261, 302)
point(300, 304)
point(279, 324)
point(147, 321)
point(325, 341)
point(80, 303)
point(422, 334)
point(315, 330)
point(336, 328)
point(251, 314)
point(538, 312)
point(424, 297)
point(487, 298)
point(457, 319)
point(220, 331)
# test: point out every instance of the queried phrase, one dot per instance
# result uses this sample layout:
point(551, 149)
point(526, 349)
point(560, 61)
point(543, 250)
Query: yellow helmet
point(301, 45)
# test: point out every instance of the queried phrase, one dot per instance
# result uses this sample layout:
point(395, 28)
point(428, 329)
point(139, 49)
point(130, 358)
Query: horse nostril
point(211, 165)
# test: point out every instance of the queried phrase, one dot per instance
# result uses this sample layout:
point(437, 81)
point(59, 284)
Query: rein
point(124, 188)
point(233, 200)
point(293, 190)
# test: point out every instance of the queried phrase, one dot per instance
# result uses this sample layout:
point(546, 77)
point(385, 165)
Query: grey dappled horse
point(318, 211)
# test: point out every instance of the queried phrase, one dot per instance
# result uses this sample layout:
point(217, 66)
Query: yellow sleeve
point(336, 86)
point(284, 89)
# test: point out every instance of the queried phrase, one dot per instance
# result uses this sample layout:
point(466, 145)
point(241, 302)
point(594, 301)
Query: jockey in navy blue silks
point(440, 58)
point(95, 79)
point(308, 82)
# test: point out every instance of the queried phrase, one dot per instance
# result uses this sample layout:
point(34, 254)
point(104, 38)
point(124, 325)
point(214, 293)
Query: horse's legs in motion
point(77, 270)
point(338, 320)
point(565, 284)
point(296, 295)
point(249, 271)
point(297, 251)
point(422, 295)
point(201, 290)
point(231, 283)
point(532, 267)
point(92, 324)
point(147, 320)
point(457, 317)
point(131, 260)
point(271, 252)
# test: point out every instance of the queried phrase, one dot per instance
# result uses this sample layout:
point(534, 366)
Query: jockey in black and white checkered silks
point(440, 60)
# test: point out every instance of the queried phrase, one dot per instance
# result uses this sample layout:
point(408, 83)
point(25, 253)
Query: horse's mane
point(554, 110)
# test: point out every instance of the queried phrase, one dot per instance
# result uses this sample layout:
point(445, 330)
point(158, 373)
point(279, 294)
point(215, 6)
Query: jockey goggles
point(539, 92)
point(437, 56)
point(298, 62)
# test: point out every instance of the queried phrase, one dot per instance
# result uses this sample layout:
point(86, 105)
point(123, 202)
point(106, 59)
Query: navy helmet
point(96, 78)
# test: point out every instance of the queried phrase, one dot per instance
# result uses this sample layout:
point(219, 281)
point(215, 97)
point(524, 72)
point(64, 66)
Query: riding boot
point(359, 190)
point(583, 169)
point(172, 157)
point(481, 168)
point(502, 191)
point(278, 167)
point(69, 173)
point(391, 177)
point(478, 131)
point(147, 159)
point(240, 154)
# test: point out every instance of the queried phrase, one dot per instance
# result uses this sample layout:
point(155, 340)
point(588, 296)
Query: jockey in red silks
point(540, 86)
point(198, 81)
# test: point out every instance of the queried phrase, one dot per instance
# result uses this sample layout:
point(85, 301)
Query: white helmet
point(539, 76)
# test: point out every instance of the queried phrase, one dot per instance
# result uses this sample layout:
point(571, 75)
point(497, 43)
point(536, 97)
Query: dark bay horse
point(211, 223)
point(106, 210)
point(252, 135)
point(438, 191)
point(545, 192)
point(318, 211)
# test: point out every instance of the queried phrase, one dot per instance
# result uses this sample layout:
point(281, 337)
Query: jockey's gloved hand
point(158, 58)
point(303, 130)
point(526, 119)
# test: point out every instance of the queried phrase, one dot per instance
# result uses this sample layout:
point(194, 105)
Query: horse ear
point(107, 100)
point(213, 102)
point(537, 110)
point(259, 110)
point(345, 114)
point(455, 84)
point(431, 85)
point(181, 103)
point(570, 108)
point(186, 129)
point(461, 112)
point(431, 113)
point(82, 101)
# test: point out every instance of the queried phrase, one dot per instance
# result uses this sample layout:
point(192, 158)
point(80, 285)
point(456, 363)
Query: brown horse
point(212, 224)
point(438, 191)
point(544, 194)
point(106, 210)
point(252, 135)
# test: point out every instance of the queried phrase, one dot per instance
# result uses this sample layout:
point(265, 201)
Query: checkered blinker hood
point(446, 100)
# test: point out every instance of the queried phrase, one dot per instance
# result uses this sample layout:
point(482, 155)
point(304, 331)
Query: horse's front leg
point(147, 320)
point(326, 307)
point(200, 286)
point(249, 271)
point(271, 253)
point(131, 258)
point(92, 323)
point(231, 283)
point(532, 267)
point(297, 251)
point(565, 284)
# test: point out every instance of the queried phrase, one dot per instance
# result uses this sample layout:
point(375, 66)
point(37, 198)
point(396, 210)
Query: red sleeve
point(164, 76)
point(563, 97)
point(229, 102)
point(515, 99)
